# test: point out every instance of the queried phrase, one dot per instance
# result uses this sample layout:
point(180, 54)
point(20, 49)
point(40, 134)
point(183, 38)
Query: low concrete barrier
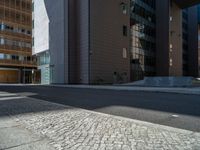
point(165, 82)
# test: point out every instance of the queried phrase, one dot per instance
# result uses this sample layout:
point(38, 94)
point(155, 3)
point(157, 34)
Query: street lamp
point(24, 74)
point(51, 73)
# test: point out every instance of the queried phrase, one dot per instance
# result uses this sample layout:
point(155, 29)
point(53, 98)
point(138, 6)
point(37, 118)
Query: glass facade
point(43, 60)
point(143, 34)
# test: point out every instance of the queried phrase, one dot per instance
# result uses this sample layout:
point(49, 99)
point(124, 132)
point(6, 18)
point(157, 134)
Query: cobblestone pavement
point(69, 128)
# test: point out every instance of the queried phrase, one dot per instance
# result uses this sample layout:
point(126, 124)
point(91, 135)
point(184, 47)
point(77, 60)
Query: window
point(124, 53)
point(125, 30)
point(33, 24)
point(170, 18)
point(33, 7)
point(33, 44)
point(1, 41)
point(171, 47)
point(28, 32)
point(124, 8)
point(171, 62)
point(1, 56)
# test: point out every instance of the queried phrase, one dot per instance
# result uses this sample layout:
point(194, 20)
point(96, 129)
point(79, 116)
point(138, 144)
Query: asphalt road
point(175, 110)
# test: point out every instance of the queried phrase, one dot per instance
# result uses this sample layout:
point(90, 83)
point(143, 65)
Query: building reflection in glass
point(143, 33)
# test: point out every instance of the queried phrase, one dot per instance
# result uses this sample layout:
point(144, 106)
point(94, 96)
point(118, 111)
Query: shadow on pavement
point(15, 106)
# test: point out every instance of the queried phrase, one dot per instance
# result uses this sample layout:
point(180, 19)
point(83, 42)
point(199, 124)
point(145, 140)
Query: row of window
point(142, 12)
point(43, 58)
point(19, 44)
point(143, 28)
point(151, 3)
point(14, 29)
point(185, 14)
point(143, 39)
point(15, 57)
point(15, 16)
point(143, 44)
point(141, 59)
point(17, 4)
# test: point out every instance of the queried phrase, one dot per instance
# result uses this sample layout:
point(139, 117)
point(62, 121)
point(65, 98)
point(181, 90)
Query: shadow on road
point(93, 99)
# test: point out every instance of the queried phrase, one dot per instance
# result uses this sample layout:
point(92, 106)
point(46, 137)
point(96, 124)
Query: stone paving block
point(15, 136)
point(40, 145)
point(6, 122)
point(77, 129)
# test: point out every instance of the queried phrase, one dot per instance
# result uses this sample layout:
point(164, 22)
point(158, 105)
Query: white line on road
point(175, 116)
point(11, 98)
point(7, 94)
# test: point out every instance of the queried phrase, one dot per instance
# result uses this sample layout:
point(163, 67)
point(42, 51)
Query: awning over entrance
point(187, 3)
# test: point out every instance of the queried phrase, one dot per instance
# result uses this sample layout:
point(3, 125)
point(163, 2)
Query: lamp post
point(51, 73)
point(24, 74)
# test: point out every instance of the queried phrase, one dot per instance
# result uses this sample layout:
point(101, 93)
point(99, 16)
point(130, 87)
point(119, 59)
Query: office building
point(115, 41)
point(16, 61)
point(80, 43)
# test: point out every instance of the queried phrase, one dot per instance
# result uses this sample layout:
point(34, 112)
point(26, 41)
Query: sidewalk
point(14, 135)
point(27, 123)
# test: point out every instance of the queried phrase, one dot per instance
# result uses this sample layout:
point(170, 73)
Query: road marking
point(11, 98)
point(7, 94)
point(175, 116)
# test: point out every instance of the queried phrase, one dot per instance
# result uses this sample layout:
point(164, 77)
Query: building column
point(168, 38)
point(175, 41)
point(192, 42)
point(162, 37)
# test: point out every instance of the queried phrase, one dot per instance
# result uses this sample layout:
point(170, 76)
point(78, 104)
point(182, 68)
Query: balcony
point(15, 50)
point(20, 36)
point(17, 63)
point(15, 16)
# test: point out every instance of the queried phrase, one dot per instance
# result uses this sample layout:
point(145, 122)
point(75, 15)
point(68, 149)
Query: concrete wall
point(83, 43)
point(57, 39)
point(107, 40)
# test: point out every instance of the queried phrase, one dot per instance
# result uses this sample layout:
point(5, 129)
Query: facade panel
point(109, 37)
